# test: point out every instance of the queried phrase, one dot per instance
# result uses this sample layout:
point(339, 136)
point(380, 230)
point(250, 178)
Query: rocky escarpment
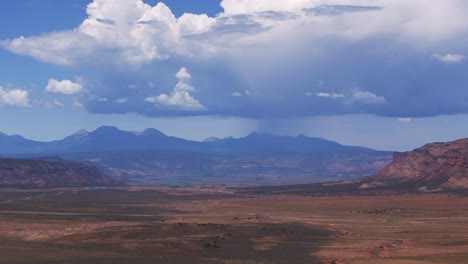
point(44, 174)
point(435, 166)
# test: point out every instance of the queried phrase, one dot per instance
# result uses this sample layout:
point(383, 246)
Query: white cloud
point(244, 93)
point(409, 20)
point(180, 96)
point(241, 47)
point(77, 105)
point(102, 99)
point(252, 6)
point(47, 104)
point(330, 95)
point(121, 100)
point(449, 58)
point(367, 97)
point(132, 86)
point(63, 87)
point(183, 75)
point(136, 33)
point(65, 47)
point(195, 24)
point(404, 120)
point(58, 103)
point(14, 97)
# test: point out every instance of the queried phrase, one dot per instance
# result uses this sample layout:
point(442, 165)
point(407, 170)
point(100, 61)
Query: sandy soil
point(200, 225)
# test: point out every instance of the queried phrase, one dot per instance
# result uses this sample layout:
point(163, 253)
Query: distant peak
point(256, 134)
point(107, 128)
point(80, 133)
point(253, 134)
point(152, 131)
point(211, 139)
point(17, 136)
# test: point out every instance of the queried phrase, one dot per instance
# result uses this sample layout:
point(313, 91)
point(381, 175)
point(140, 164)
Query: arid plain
point(200, 225)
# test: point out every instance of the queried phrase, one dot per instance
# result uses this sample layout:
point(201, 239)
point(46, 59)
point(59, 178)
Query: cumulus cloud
point(366, 97)
point(134, 31)
point(183, 75)
point(14, 97)
point(449, 58)
point(265, 46)
point(195, 24)
point(63, 87)
point(330, 95)
point(180, 96)
point(138, 33)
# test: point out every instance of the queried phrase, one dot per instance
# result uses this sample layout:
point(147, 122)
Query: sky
point(385, 74)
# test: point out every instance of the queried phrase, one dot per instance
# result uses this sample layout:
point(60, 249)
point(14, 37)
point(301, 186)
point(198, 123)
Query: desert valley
point(409, 210)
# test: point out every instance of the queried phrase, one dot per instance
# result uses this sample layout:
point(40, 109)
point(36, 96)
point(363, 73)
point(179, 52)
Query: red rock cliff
point(433, 166)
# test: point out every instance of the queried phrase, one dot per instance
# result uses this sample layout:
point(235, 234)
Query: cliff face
point(433, 166)
point(42, 174)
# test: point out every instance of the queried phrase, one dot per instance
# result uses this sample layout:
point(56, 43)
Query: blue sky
point(196, 69)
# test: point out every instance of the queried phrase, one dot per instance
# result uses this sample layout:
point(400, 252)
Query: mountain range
point(107, 138)
point(151, 157)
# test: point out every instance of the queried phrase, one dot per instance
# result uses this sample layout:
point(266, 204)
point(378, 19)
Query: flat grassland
point(213, 225)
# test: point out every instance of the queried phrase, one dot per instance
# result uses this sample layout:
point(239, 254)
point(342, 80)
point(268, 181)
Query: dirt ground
point(212, 225)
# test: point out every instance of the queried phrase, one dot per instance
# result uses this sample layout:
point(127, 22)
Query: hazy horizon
point(399, 136)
